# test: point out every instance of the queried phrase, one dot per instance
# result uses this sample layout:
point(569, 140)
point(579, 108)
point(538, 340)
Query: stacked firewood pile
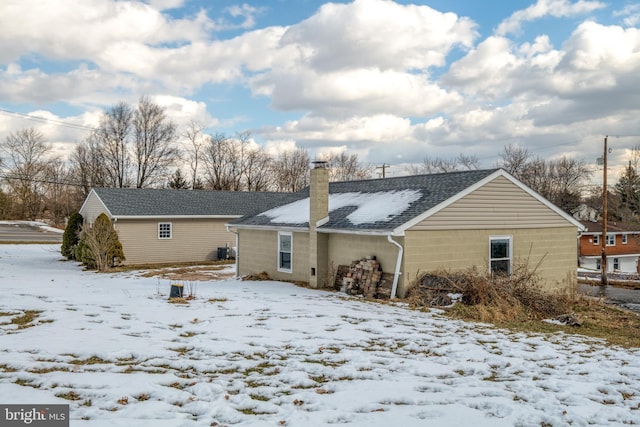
point(364, 277)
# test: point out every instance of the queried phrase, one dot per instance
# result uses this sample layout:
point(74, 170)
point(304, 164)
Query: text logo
point(34, 415)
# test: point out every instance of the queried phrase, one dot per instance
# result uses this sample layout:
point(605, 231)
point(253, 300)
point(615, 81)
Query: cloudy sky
point(393, 81)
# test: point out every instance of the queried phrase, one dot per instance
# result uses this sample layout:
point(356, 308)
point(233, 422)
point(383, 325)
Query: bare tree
point(560, 181)
point(153, 143)
point(197, 142)
point(441, 165)
point(88, 166)
point(27, 154)
point(113, 136)
point(257, 168)
point(291, 171)
point(219, 161)
point(346, 167)
point(60, 197)
point(514, 159)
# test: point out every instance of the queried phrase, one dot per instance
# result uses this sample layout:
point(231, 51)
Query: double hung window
point(500, 254)
point(285, 251)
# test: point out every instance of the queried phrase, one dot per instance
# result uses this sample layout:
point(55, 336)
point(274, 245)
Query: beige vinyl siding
point(92, 208)
point(497, 204)
point(191, 240)
point(552, 250)
point(344, 248)
point(259, 252)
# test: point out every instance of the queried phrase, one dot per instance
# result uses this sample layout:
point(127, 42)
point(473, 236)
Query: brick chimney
point(318, 211)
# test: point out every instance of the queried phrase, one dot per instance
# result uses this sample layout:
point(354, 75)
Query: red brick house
point(622, 247)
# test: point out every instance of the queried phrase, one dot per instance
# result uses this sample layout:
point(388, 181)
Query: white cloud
point(81, 30)
point(244, 11)
point(378, 33)
point(182, 111)
point(166, 4)
point(356, 92)
point(631, 14)
point(542, 8)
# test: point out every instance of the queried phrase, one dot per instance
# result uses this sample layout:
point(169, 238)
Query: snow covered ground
point(273, 354)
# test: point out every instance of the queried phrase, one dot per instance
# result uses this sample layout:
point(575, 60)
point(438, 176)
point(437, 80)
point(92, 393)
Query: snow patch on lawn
point(270, 353)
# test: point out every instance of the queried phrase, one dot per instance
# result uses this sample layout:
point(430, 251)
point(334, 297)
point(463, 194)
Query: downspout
point(229, 230)
point(396, 274)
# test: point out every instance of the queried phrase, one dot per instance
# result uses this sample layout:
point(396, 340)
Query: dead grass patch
point(70, 395)
point(518, 303)
point(93, 360)
point(614, 325)
point(262, 276)
point(27, 319)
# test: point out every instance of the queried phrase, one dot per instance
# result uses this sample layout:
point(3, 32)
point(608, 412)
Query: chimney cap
point(320, 164)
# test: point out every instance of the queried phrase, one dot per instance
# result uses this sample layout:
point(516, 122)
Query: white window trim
point(625, 239)
point(510, 239)
point(611, 236)
point(596, 239)
point(616, 260)
point(170, 231)
point(290, 234)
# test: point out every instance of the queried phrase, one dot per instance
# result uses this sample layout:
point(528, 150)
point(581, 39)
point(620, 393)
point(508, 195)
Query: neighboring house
point(159, 226)
point(622, 247)
point(414, 224)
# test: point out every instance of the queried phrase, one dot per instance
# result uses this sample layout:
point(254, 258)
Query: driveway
point(625, 298)
point(19, 231)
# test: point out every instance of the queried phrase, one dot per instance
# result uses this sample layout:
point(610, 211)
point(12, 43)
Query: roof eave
point(358, 231)
point(176, 216)
point(268, 227)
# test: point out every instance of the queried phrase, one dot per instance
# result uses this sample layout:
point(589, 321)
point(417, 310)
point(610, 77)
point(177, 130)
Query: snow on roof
point(369, 207)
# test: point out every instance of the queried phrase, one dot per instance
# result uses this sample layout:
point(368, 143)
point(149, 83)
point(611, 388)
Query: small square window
point(164, 230)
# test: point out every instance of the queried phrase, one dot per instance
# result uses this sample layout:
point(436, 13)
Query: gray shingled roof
point(434, 189)
point(160, 202)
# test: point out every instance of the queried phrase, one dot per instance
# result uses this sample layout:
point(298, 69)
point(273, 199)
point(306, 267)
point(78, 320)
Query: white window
point(164, 230)
point(285, 251)
point(599, 264)
point(616, 263)
point(611, 239)
point(596, 239)
point(500, 254)
point(624, 239)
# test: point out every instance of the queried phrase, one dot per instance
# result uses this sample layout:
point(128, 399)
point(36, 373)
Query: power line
point(46, 120)
point(43, 181)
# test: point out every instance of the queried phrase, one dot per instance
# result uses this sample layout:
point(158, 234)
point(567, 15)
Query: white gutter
point(396, 275)
point(177, 216)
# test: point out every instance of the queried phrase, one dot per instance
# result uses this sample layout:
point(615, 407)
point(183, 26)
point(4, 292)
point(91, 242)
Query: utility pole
point(384, 168)
point(603, 242)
